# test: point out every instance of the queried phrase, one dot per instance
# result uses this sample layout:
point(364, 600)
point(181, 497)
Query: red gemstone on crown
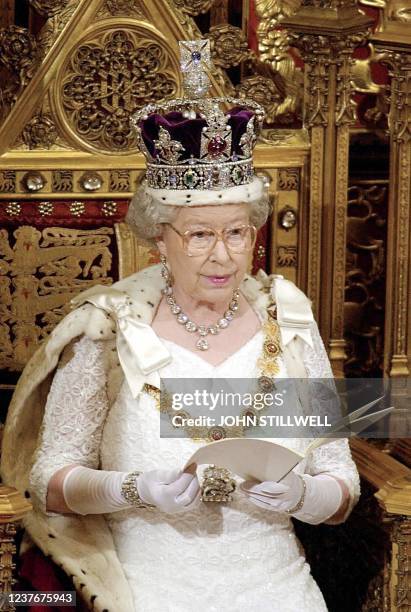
point(216, 146)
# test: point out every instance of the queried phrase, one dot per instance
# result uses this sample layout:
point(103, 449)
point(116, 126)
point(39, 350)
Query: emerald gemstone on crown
point(190, 179)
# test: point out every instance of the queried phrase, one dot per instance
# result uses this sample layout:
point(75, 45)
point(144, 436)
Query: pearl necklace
point(201, 330)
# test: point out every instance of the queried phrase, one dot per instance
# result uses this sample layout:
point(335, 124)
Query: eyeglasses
point(238, 239)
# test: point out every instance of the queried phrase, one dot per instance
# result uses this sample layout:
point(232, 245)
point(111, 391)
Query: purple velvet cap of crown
point(188, 131)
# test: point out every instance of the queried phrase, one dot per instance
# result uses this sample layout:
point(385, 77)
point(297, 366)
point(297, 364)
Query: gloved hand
point(320, 500)
point(279, 496)
point(171, 491)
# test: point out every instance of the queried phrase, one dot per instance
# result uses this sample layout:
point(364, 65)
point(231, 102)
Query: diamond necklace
point(201, 330)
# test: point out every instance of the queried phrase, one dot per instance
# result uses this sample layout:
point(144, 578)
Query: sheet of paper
point(248, 458)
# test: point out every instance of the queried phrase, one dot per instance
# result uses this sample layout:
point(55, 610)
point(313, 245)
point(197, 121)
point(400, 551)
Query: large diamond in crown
point(196, 143)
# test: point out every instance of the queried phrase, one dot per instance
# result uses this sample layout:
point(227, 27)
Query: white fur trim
point(209, 197)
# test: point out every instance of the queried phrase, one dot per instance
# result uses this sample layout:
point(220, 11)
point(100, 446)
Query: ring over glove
point(311, 499)
point(88, 491)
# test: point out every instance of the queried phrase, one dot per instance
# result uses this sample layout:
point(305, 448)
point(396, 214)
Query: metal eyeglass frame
point(219, 235)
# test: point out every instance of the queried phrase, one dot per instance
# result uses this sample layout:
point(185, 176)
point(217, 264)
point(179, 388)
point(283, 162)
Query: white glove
point(321, 499)
point(171, 491)
point(88, 491)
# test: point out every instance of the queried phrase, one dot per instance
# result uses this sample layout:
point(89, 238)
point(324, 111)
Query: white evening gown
point(232, 557)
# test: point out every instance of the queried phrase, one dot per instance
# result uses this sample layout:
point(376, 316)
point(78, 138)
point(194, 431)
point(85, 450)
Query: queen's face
point(212, 276)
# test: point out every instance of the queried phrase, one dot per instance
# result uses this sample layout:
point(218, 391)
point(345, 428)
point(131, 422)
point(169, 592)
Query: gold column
point(395, 44)
point(325, 34)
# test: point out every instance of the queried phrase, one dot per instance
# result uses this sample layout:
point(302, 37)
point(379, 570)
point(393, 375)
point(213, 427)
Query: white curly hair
point(147, 212)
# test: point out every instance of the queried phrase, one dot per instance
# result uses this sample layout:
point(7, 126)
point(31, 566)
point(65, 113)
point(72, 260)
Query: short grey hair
point(146, 214)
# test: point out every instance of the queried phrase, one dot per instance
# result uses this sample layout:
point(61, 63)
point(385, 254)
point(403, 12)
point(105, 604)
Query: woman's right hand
point(171, 491)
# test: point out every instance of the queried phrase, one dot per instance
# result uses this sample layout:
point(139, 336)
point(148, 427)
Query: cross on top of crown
point(195, 58)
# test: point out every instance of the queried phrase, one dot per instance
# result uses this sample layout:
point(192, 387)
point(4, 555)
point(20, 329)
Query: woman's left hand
point(311, 499)
point(277, 496)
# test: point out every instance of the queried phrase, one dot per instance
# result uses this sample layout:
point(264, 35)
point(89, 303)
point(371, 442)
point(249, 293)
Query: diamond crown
point(193, 142)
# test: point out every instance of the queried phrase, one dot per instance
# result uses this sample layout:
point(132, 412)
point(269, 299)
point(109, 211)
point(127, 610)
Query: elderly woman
point(113, 503)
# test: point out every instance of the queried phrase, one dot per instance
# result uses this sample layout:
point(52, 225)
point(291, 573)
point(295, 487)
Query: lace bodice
point(77, 408)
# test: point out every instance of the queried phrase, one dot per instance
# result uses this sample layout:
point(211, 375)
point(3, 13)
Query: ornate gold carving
point(18, 52)
point(39, 273)
point(337, 326)
point(264, 91)
point(13, 506)
point(7, 181)
point(120, 180)
point(401, 563)
point(402, 251)
point(315, 54)
point(107, 78)
point(273, 48)
point(48, 8)
point(40, 132)
point(361, 72)
point(332, 4)
point(132, 254)
point(321, 53)
point(288, 179)
point(194, 7)
point(399, 63)
point(326, 49)
point(70, 182)
point(345, 107)
point(19, 56)
point(54, 26)
point(400, 114)
point(314, 243)
point(62, 181)
point(287, 256)
point(122, 8)
point(7, 550)
point(285, 137)
point(184, 19)
point(229, 46)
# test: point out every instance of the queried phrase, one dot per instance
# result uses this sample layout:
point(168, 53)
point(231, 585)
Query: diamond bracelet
point(300, 502)
point(130, 492)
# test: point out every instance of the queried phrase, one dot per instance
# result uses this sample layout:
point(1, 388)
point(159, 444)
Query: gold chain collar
point(218, 484)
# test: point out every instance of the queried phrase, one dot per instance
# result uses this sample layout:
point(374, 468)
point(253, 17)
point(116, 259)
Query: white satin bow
point(294, 314)
point(140, 351)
